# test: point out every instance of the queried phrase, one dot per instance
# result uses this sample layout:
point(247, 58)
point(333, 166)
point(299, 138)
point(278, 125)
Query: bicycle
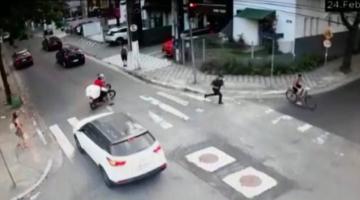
point(306, 100)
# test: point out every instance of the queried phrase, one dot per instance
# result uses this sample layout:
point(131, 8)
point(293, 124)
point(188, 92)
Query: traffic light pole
point(192, 50)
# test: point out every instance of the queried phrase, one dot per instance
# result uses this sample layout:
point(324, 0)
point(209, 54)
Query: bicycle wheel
point(112, 94)
point(310, 103)
point(290, 96)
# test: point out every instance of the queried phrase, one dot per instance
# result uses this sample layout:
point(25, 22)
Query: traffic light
point(191, 9)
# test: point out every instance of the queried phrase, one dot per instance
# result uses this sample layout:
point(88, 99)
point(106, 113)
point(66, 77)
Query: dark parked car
point(52, 44)
point(70, 56)
point(22, 59)
point(48, 31)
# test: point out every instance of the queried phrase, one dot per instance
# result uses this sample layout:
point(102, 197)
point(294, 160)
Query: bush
point(244, 66)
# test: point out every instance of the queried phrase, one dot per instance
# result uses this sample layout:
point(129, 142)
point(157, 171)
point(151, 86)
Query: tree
point(14, 15)
point(353, 29)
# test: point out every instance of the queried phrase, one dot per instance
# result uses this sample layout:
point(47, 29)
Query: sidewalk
point(28, 166)
point(171, 75)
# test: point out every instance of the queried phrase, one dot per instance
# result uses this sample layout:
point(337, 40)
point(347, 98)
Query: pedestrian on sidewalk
point(124, 55)
point(19, 132)
point(217, 83)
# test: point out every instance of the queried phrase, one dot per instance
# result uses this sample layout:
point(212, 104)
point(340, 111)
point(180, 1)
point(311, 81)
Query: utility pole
point(190, 20)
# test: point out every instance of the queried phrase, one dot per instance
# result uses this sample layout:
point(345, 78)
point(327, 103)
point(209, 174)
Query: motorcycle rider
point(100, 81)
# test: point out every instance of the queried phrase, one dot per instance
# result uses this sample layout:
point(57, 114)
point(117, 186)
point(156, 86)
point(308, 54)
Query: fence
point(215, 53)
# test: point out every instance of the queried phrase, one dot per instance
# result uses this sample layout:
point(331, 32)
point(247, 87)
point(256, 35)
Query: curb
point(38, 182)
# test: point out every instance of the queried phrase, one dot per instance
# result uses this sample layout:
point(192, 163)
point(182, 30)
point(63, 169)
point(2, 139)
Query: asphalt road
point(252, 134)
point(337, 112)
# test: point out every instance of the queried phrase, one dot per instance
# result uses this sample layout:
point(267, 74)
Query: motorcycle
point(93, 92)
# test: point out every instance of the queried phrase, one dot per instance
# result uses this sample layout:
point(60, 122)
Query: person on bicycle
point(298, 86)
point(100, 81)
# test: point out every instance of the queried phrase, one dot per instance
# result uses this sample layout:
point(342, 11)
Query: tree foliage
point(351, 22)
point(15, 13)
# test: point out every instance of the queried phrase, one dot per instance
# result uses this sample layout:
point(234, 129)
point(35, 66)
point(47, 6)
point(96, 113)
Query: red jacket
point(100, 83)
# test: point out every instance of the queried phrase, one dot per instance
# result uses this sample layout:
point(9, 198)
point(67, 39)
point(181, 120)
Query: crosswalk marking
point(73, 121)
point(304, 127)
point(62, 140)
point(284, 117)
point(174, 98)
point(268, 111)
point(196, 97)
point(157, 119)
point(165, 107)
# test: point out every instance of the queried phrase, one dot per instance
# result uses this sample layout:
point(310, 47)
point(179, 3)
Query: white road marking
point(35, 196)
point(157, 119)
point(196, 97)
point(165, 107)
point(284, 117)
point(199, 110)
point(174, 98)
point(268, 111)
point(73, 121)
point(210, 159)
point(321, 139)
point(41, 135)
point(62, 140)
point(240, 179)
point(304, 127)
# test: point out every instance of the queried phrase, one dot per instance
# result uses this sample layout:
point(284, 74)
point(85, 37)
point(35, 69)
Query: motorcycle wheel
point(112, 94)
point(92, 105)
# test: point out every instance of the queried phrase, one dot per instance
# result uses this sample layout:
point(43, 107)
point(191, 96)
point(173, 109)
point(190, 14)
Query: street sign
point(328, 33)
point(133, 27)
point(327, 43)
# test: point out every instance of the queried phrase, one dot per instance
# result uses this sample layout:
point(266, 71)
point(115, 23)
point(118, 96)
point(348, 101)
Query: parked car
point(70, 56)
point(22, 59)
point(5, 36)
point(117, 35)
point(51, 44)
point(168, 48)
point(48, 31)
point(123, 150)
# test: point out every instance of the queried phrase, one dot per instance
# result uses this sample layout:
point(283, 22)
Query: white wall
point(249, 30)
point(311, 19)
point(285, 14)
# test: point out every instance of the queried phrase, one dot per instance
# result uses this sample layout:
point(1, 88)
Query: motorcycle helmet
point(101, 76)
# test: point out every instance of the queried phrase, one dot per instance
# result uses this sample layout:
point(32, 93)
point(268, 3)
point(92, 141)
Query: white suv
point(117, 35)
point(122, 149)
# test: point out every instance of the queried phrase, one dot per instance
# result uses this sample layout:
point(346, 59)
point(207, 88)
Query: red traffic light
point(192, 5)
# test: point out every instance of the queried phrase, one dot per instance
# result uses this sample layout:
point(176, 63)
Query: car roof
point(22, 51)
point(118, 127)
point(70, 47)
point(54, 38)
point(117, 28)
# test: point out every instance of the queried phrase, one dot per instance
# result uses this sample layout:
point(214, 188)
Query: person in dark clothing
point(124, 55)
point(216, 86)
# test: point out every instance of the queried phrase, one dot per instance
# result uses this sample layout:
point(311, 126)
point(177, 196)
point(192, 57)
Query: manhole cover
point(250, 181)
point(208, 158)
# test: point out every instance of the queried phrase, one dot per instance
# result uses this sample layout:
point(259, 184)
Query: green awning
point(255, 14)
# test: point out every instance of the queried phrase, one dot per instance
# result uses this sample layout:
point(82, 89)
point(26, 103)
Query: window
point(132, 145)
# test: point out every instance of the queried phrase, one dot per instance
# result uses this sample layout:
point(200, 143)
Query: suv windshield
point(132, 145)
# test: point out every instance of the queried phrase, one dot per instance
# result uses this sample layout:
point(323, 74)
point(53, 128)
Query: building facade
point(302, 23)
